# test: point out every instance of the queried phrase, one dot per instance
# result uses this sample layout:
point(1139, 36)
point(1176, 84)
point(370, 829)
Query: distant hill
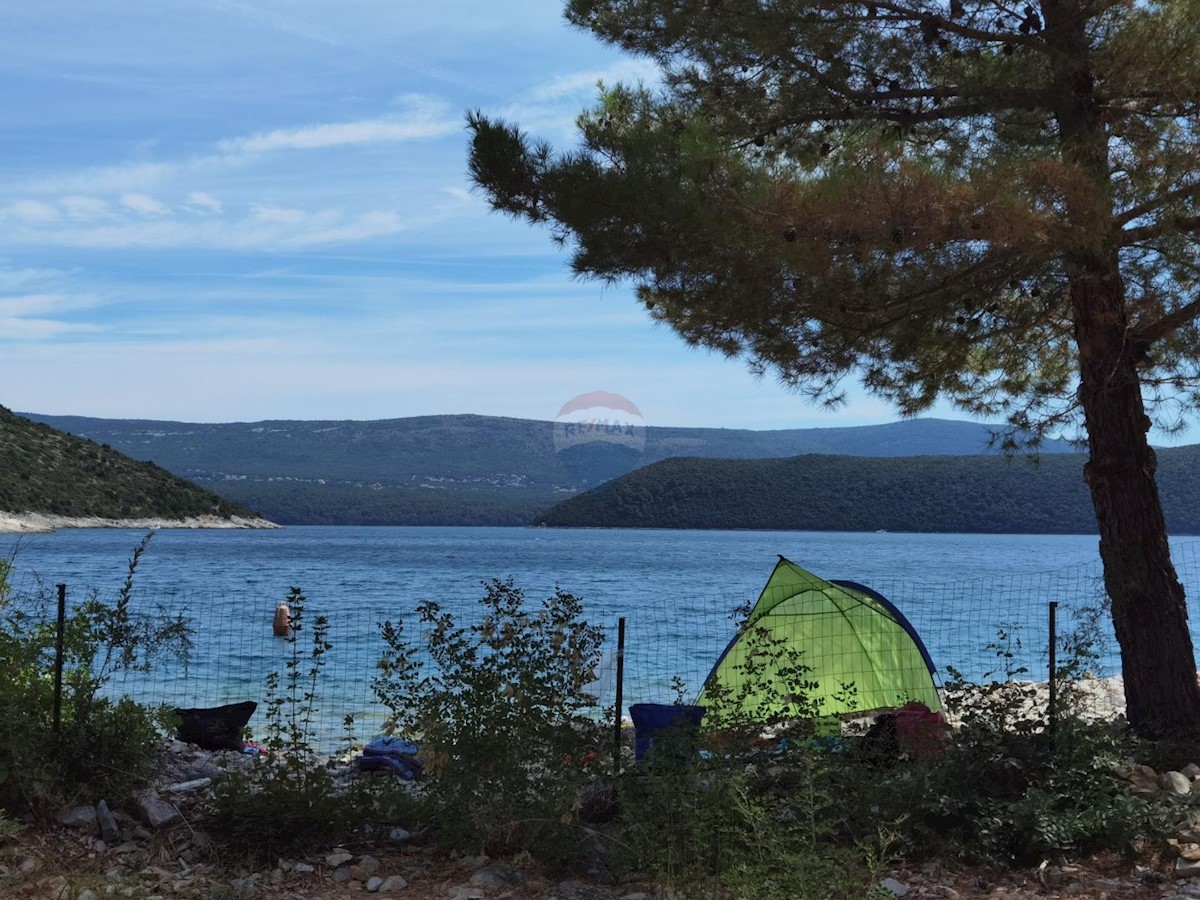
point(46, 471)
point(477, 470)
point(842, 493)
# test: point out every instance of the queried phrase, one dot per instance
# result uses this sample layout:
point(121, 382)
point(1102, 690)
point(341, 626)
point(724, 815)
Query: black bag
point(217, 727)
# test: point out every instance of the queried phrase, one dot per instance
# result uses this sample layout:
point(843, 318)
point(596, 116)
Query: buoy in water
point(283, 620)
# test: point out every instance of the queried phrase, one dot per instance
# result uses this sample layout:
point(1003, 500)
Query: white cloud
point(18, 329)
point(104, 179)
point(78, 206)
point(32, 211)
point(264, 229)
point(82, 193)
point(388, 129)
point(279, 22)
point(43, 304)
point(277, 214)
point(143, 204)
point(364, 227)
point(17, 279)
point(199, 201)
point(574, 84)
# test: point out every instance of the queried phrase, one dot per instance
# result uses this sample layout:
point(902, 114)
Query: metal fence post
point(58, 656)
point(1053, 653)
point(620, 696)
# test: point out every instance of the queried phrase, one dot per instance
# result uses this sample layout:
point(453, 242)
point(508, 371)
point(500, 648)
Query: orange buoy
point(283, 620)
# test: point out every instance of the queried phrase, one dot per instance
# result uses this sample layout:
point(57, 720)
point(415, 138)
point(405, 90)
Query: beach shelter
point(858, 652)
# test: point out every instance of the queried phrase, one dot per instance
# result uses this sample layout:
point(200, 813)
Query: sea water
point(980, 602)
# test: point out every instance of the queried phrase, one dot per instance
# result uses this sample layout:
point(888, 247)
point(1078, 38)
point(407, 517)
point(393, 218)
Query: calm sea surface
point(675, 589)
point(612, 569)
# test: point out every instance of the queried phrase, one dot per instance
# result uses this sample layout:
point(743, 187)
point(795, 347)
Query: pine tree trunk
point(1149, 610)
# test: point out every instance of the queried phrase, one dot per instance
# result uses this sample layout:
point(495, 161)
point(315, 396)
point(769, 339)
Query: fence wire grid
point(987, 629)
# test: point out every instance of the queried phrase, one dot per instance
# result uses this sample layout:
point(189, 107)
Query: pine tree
point(986, 202)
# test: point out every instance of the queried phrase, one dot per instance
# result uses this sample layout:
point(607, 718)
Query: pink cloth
point(920, 731)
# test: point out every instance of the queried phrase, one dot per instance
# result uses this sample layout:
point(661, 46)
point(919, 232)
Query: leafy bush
point(103, 748)
point(1011, 788)
point(500, 712)
point(289, 799)
point(754, 812)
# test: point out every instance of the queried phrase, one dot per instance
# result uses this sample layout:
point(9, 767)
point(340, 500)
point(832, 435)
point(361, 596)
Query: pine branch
point(1161, 327)
point(1190, 224)
point(1184, 192)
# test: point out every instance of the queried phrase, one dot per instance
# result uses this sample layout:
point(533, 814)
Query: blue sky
point(227, 211)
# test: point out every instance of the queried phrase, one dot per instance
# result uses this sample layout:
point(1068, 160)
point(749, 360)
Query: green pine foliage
point(46, 471)
point(962, 201)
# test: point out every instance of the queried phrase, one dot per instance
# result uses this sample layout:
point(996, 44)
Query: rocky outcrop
point(31, 523)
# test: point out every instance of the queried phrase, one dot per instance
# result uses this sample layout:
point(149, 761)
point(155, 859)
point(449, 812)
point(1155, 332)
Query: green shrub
point(501, 715)
point(753, 812)
point(1009, 788)
point(111, 753)
point(288, 800)
point(103, 748)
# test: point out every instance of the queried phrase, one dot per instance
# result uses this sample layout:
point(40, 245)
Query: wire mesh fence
point(983, 629)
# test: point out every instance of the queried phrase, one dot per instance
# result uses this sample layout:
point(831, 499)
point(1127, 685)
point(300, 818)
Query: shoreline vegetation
point(511, 767)
point(43, 523)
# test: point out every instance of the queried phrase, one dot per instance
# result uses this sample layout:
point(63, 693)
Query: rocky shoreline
point(42, 523)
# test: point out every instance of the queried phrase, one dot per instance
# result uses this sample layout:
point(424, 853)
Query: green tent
point(859, 652)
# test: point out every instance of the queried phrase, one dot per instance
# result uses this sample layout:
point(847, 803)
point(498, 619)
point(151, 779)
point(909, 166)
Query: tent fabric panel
point(850, 635)
point(787, 580)
point(848, 648)
point(895, 614)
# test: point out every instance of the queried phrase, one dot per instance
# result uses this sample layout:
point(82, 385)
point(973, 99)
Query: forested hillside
point(459, 470)
point(45, 471)
point(839, 493)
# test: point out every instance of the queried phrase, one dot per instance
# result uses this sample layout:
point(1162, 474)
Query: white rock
point(184, 787)
point(891, 884)
point(243, 887)
point(373, 884)
point(78, 817)
point(109, 830)
point(488, 876)
point(1187, 868)
point(1176, 783)
point(156, 812)
point(337, 858)
point(392, 883)
point(364, 868)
